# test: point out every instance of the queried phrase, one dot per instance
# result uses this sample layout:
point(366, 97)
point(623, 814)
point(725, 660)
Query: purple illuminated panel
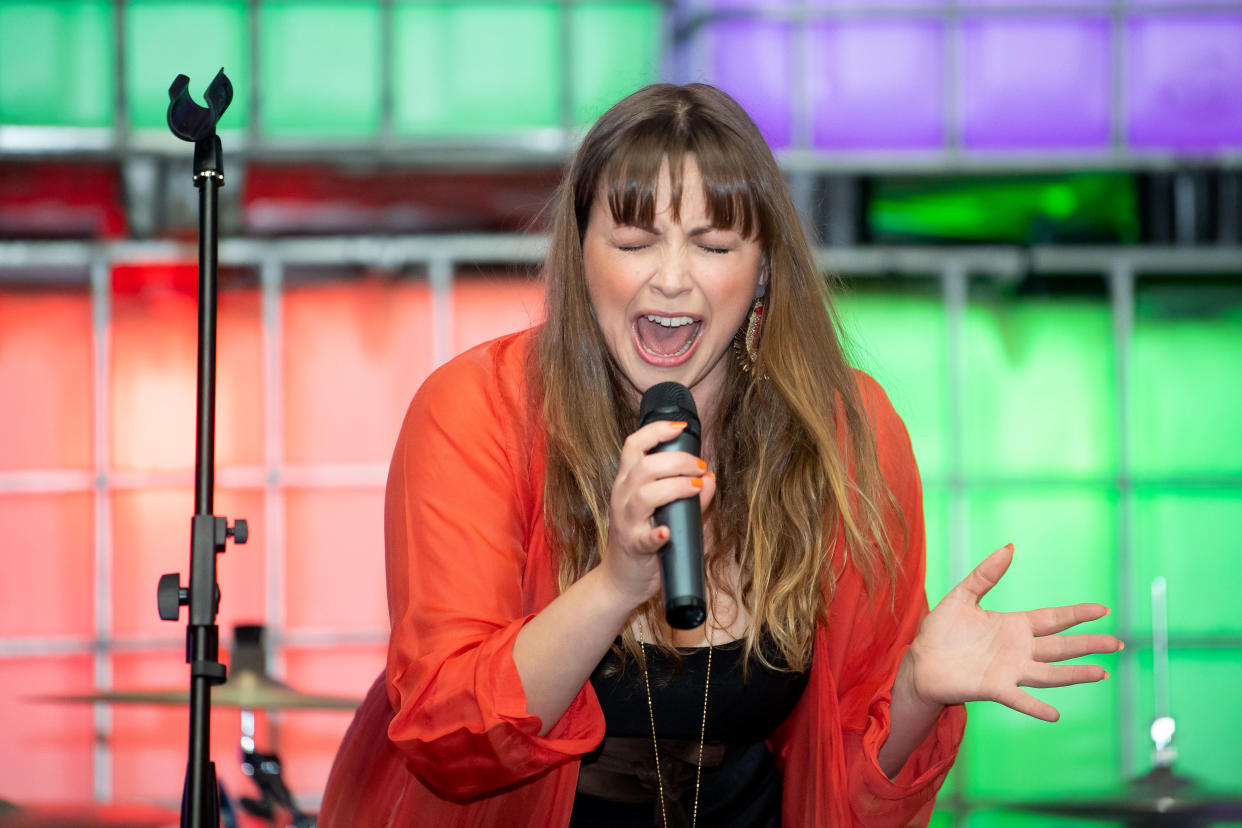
point(877, 84)
point(878, 4)
point(752, 61)
point(1183, 86)
point(1035, 83)
point(1026, 4)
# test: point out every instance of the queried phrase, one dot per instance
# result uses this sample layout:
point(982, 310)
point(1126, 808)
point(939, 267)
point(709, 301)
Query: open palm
point(966, 653)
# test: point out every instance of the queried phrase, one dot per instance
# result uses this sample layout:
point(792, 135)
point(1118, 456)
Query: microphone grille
point(667, 396)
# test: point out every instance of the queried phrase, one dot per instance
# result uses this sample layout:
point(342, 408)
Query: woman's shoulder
point(892, 440)
point(483, 389)
point(879, 407)
point(496, 368)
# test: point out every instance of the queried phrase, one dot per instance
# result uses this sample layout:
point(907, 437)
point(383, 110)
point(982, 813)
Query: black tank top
point(740, 785)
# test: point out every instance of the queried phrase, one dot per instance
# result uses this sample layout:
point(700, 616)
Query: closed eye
point(711, 249)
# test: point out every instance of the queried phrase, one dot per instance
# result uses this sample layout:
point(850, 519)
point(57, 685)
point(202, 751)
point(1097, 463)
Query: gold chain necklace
point(655, 745)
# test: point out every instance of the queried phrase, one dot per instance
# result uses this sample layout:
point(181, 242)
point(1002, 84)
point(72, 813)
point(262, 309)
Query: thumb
point(985, 576)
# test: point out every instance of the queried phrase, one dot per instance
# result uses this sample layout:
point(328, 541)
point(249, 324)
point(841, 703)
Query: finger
point(1062, 675)
point(1063, 647)
point(648, 437)
point(1052, 620)
point(667, 464)
point(661, 492)
point(707, 492)
point(986, 574)
point(1024, 702)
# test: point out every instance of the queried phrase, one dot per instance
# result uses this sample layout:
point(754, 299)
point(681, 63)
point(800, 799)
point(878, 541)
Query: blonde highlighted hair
point(795, 457)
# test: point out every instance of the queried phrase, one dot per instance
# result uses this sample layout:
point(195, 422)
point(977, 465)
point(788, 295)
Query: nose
point(672, 276)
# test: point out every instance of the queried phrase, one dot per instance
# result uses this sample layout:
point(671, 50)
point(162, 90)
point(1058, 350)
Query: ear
point(765, 273)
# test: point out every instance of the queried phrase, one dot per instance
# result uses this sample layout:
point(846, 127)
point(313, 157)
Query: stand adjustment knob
point(239, 531)
point(172, 596)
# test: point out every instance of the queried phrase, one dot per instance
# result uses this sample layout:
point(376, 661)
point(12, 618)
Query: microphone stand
point(200, 798)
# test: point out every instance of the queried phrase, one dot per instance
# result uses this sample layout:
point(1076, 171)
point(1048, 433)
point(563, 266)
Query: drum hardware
point(1159, 798)
point(249, 688)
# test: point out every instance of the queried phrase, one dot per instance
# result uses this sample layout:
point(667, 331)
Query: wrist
point(907, 685)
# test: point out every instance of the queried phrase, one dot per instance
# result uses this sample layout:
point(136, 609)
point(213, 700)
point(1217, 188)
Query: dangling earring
point(746, 340)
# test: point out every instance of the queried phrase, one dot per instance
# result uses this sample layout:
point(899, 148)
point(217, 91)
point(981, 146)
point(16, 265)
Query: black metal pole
point(203, 635)
point(200, 800)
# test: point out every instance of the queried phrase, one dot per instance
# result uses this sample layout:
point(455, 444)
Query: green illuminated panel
point(1015, 819)
point(936, 520)
point(304, 90)
point(1075, 207)
point(899, 338)
point(1012, 757)
point(1191, 538)
point(615, 51)
point(57, 63)
point(166, 38)
point(1065, 543)
point(1186, 370)
point(1066, 552)
point(1203, 699)
point(1039, 389)
point(470, 68)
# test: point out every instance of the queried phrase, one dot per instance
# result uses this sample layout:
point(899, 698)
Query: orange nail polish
point(697, 482)
point(702, 464)
point(677, 423)
point(1121, 645)
point(1105, 676)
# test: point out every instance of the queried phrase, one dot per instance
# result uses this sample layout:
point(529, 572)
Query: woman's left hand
point(966, 653)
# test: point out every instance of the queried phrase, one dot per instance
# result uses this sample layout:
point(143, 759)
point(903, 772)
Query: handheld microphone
point(681, 557)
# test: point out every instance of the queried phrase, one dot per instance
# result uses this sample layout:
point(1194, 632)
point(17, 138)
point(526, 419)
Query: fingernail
point(697, 482)
point(663, 533)
point(1121, 645)
point(677, 423)
point(702, 464)
point(1105, 676)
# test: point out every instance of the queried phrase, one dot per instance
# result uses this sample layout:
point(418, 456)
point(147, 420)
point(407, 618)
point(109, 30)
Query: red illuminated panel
point(150, 743)
point(488, 305)
point(152, 536)
point(155, 374)
point(309, 739)
point(45, 367)
point(334, 567)
point(354, 353)
point(49, 565)
point(45, 748)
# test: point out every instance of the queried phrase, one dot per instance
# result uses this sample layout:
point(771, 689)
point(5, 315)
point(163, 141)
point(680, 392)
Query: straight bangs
point(630, 180)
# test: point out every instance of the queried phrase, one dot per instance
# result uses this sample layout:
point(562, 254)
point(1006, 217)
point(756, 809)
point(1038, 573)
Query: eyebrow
point(701, 230)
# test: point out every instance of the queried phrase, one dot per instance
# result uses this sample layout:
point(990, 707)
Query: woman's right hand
point(645, 481)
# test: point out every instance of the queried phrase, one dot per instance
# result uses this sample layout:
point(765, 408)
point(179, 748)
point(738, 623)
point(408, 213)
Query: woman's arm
point(556, 650)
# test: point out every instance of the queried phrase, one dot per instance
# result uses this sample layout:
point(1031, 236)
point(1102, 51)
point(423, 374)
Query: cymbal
point(1141, 809)
point(244, 688)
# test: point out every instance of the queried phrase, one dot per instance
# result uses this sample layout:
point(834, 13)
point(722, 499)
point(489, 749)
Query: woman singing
point(532, 679)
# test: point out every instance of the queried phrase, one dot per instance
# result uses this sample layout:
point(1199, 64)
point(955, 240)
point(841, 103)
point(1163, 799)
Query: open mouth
point(665, 338)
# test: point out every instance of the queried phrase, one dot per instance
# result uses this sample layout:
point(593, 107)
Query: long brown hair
point(799, 463)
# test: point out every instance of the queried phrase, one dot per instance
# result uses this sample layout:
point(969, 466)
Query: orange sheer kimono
point(444, 738)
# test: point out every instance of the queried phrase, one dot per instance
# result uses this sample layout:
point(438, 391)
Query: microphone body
point(681, 557)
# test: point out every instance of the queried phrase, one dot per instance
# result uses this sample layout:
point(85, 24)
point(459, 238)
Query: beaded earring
point(746, 340)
